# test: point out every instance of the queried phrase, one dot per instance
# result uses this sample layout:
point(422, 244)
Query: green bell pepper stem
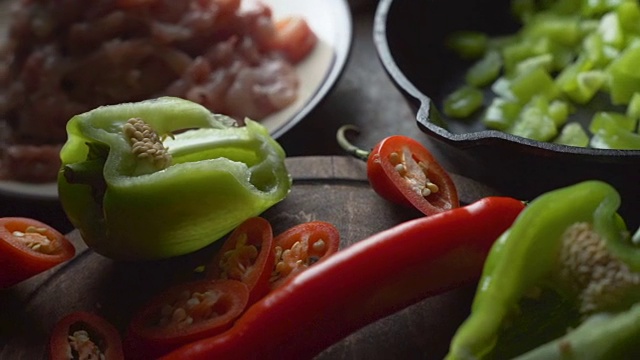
point(601, 337)
point(526, 257)
point(133, 204)
point(351, 149)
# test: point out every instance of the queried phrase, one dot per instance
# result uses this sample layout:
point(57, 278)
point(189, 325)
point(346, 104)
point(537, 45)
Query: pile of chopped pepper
point(566, 55)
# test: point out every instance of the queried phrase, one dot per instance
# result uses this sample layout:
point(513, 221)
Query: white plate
point(329, 19)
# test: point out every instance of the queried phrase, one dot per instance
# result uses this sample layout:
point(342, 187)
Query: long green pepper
point(567, 262)
point(165, 177)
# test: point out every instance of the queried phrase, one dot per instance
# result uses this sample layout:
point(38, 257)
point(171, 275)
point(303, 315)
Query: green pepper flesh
point(528, 262)
point(219, 175)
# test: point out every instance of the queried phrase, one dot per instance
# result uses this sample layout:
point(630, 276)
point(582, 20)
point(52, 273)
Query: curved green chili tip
point(165, 177)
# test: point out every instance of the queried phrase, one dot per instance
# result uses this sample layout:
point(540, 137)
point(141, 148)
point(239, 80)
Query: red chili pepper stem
point(347, 146)
point(403, 171)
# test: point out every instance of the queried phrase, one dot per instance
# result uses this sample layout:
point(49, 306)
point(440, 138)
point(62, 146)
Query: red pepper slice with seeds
point(302, 246)
point(29, 247)
point(84, 335)
point(366, 281)
point(403, 171)
point(184, 313)
point(247, 255)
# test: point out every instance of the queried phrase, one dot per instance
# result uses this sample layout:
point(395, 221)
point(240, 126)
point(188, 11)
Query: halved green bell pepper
point(165, 177)
point(565, 265)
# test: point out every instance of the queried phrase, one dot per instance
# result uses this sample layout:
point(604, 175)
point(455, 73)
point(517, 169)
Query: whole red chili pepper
point(366, 281)
point(403, 171)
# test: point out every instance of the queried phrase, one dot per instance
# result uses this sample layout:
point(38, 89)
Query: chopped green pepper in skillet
point(165, 177)
point(579, 55)
point(563, 282)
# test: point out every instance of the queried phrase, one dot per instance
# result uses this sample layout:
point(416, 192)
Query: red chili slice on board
point(301, 246)
point(246, 256)
point(29, 247)
point(84, 335)
point(185, 313)
point(403, 171)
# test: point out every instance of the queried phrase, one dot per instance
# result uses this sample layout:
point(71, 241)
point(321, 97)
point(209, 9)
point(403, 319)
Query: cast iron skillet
point(408, 36)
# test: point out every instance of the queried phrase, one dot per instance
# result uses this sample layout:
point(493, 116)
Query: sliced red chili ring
point(402, 170)
point(301, 246)
point(29, 247)
point(185, 313)
point(246, 256)
point(84, 335)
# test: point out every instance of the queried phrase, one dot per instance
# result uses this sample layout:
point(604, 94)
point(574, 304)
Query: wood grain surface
point(333, 189)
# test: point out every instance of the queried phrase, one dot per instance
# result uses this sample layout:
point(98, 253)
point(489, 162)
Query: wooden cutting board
point(333, 189)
